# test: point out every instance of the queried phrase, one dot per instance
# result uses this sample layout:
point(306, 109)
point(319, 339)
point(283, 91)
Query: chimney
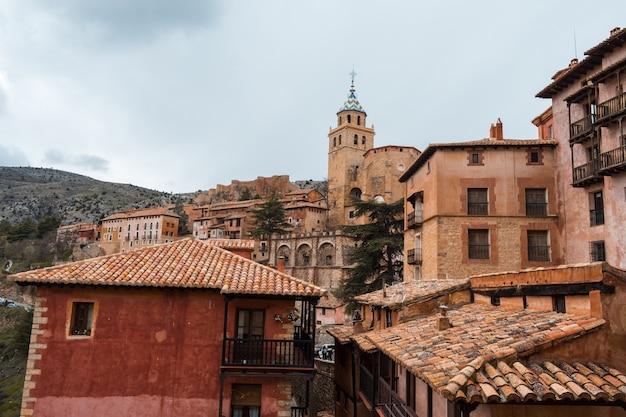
point(443, 321)
point(495, 131)
point(357, 322)
point(281, 264)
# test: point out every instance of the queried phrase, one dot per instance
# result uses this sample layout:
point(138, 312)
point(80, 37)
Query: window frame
point(474, 250)
point(534, 207)
point(478, 201)
point(75, 329)
point(535, 250)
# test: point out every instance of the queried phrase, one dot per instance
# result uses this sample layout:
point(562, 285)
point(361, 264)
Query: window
point(475, 157)
point(388, 320)
point(349, 119)
point(323, 311)
point(477, 201)
point(550, 132)
point(356, 139)
point(596, 251)
point(358, 120)
point(558, 303)
point(478, 243)
point(534, 157)
point(246, 400)
point(351, 214)
point(82, 319)
point(538, 245)
point(363, 140)
point(536, 204)
point(596, 212)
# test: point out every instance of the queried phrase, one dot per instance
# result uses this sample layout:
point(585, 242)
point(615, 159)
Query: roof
point(481, 143)
point(528, 381)
point(411, 292)
point(576, 70)
point(479, 333)
point(130, 214)
point(351, 103)
point(329, 301)
point(245, 244)
point(187, 263)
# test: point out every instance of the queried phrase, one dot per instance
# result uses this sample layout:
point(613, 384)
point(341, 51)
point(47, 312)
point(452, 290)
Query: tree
point(269, 218)
point(377, 258)
point(48, 224)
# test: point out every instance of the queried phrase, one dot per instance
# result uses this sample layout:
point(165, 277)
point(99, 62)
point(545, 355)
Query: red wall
point(151, 352)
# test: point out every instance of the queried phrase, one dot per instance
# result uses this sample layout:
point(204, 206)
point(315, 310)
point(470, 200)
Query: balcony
point(612, 108)
point(414, 219)
point(613, 161)
point(581, 128)
point(389, 402)
point(586, 174)
point(366, 384)
point(265, 353)
point(414, 256)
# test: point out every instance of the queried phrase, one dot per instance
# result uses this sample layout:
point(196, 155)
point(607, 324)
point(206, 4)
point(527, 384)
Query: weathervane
point(353, 74)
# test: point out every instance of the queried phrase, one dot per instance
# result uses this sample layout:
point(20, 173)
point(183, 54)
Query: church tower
point(347, 145)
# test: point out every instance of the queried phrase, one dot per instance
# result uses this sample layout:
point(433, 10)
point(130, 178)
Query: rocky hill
point(38, 192)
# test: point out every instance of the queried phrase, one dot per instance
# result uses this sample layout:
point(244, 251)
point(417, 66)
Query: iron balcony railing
point(539, 253)
point(581, 127)
point(268, 353)
point(414, 219)
point(596, 217)
point(414, 256)
point(299, 411)
point(536, 209)
point(390, 403)
point(613, 160)
point(612, 107)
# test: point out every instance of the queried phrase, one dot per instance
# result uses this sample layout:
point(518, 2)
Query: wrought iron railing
point(268, 353)
point(596, 217)
point(414, 256)
point(414, 219)
point(299, 411)
point(536, 209)
point(390, 403)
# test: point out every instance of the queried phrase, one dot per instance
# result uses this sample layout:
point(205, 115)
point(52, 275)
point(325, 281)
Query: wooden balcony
point(264, 353)
point(612, 109)
point(414, 256)
point(613, 161)
point(580, 128)
point(586, 174)
point(414, 219)
point(389, 402)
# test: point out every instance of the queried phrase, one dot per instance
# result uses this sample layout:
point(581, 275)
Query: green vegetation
point(377, 259)
point(269, 218)
point(15, 325)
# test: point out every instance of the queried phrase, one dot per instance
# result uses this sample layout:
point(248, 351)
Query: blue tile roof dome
point(352, 103)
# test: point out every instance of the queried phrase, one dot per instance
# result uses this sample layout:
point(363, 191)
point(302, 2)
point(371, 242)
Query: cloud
point(4, 92)
point(12, 157)
point(91, 162)
point(132, 20)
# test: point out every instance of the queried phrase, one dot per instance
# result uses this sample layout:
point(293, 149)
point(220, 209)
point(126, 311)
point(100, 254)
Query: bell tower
point(347, 144)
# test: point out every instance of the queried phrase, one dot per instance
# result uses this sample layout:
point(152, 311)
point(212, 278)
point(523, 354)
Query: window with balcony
point(596, 210)
point(478, 243)
point(596, 251)
point(538, 245)
point(477, 201)
point(536, 204)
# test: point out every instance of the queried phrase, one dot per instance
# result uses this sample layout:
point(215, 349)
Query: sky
point(180, 96)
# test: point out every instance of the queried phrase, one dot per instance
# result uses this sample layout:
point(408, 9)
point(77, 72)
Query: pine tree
point(269, 218)
point(377, 258)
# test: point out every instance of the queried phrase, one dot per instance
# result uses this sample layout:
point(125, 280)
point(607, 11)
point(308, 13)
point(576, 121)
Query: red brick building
point(183, 329)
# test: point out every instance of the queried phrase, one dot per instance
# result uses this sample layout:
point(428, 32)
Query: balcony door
point(249, 346)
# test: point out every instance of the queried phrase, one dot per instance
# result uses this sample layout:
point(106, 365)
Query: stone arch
point(284, 251)
point(355, 193)
point(326, 254)
point(303, 255)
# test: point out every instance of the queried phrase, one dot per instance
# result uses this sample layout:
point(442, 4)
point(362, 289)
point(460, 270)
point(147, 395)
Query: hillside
point(38, 192)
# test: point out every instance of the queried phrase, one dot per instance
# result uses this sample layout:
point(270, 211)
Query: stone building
point(481, 206)
point(358, 170)
point(134, 229)
point(588, 108)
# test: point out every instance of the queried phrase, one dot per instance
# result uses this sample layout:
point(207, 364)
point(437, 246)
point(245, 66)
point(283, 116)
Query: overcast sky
point(182, 95)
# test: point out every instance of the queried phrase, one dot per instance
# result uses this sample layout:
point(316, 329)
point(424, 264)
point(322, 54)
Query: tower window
point(358, 120)
point(363, 140)
point(356, 139)
point(349, 119)
point(340, 140)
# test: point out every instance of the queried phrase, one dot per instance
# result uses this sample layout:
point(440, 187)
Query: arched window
point(358, 120)
point(335, 141)
point(356, 139)
point(355, 194)
point(349, 119)
point(303, 255)
point(326, 254)
point(283, 252)
point(363, 140)
point(339, 139)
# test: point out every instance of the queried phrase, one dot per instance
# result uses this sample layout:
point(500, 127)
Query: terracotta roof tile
point(187, 263)
point(411, 292)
